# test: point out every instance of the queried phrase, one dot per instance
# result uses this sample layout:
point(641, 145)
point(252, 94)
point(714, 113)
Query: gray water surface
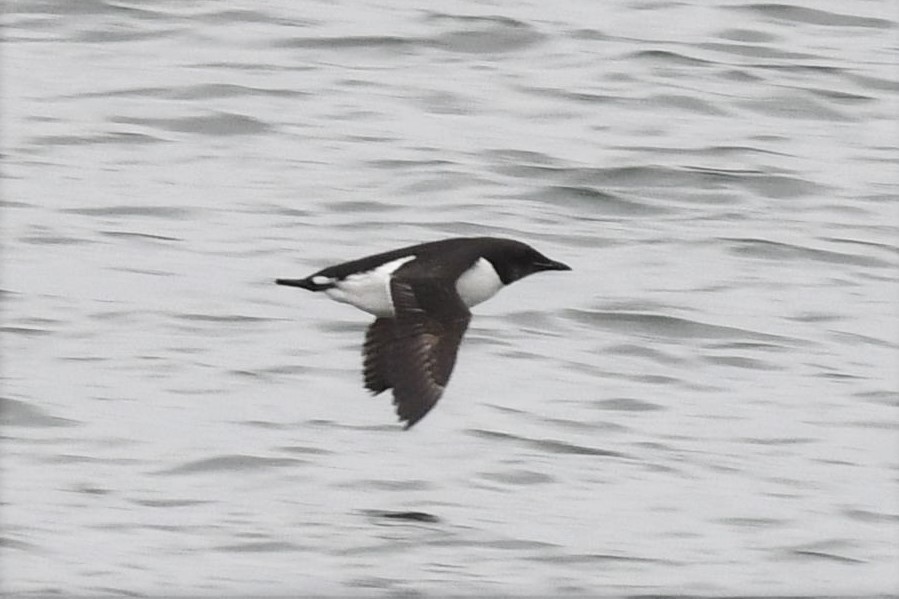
point(706, 405)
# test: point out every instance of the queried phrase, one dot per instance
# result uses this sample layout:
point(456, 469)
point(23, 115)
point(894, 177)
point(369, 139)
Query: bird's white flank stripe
point(370, 290)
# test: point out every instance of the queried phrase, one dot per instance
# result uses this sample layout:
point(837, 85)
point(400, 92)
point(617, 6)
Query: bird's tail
point(304, 283)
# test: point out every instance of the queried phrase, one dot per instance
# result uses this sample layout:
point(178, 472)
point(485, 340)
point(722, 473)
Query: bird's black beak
point(551, 265)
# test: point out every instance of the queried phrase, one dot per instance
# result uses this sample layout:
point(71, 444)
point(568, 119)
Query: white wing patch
point(478, 283)
point(370, 290)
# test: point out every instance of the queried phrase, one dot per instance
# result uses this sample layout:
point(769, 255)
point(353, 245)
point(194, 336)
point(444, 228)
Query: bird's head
point(514, 260)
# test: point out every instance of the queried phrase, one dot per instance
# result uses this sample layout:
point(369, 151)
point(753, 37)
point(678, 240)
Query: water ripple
point(231, 463)
point(546, 445)
point(658, 325)
point(775, 250)
point(260, 547)
point(813, 16)
point(218, 124)
point(14, 412)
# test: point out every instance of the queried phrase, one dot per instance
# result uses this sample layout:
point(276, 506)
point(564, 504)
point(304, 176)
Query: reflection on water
point(707, 405)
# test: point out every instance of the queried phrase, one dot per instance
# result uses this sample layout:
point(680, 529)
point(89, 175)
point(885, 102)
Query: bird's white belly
point(478, 283)
point(369, 291)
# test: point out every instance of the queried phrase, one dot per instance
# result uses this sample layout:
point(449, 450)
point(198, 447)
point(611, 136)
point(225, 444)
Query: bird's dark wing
point(429, 324)
point(414, 352)
point(379, 338)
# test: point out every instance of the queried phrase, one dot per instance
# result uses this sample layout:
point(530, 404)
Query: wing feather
point(430, 322)
point(379, 338)
point(415, 351)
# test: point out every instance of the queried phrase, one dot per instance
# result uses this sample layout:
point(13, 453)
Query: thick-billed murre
point(421, 295)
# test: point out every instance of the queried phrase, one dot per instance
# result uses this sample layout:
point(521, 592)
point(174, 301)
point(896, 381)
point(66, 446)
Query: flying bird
point(420, 296)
